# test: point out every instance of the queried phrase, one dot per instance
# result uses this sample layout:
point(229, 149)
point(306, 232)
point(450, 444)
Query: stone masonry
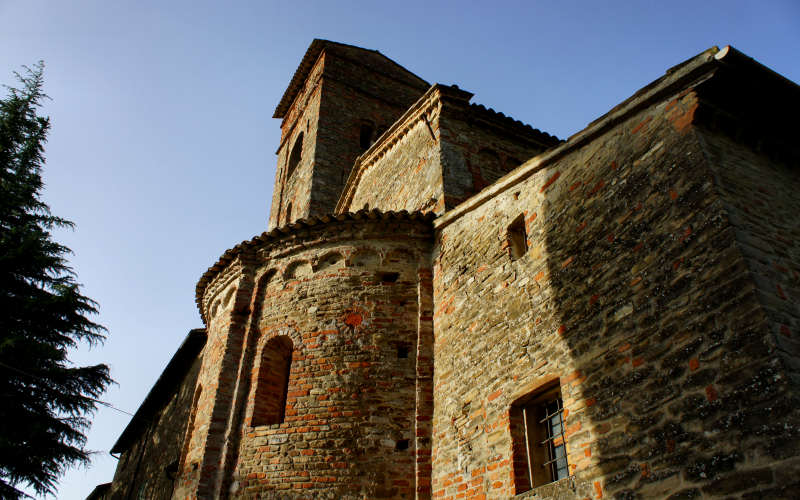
point(450, 304)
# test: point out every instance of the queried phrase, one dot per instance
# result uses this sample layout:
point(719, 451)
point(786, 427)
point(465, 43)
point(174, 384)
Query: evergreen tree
point(44, 399)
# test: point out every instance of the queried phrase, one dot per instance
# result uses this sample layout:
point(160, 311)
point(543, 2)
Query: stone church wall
point(439, 153)
point(634, 298)
point(405, 175)
point(149, 467)
point(479, 146)
point(354, 97)
point(645, 273)
point(760, 196)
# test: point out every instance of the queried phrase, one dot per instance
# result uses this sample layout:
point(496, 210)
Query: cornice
point(245, 251)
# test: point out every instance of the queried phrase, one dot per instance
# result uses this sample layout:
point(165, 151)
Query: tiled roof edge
point(481, 110)
point(164, 387)
point(677, 76)
point(310, 57)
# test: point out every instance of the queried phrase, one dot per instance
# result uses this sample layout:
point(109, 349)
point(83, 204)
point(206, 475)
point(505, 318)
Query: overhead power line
point(107, 405)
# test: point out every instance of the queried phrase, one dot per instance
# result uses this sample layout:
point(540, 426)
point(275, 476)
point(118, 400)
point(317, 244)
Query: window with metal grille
point(537, 428)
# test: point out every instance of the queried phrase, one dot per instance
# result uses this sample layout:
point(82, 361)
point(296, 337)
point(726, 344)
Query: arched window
point(288, 216)
point(190, 427)
point(295, 155)
point(491, 167)
point(365, 137)
point(273, 382)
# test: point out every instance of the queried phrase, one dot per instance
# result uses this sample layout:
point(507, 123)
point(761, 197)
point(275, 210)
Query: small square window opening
point(517, 238)
point(388, 277)
point(402, 352)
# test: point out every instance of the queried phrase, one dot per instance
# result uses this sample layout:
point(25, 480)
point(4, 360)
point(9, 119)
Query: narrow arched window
point(288, 216)
point(365, 137)
point(272, 385)
point(491, 168)
point(295, 155)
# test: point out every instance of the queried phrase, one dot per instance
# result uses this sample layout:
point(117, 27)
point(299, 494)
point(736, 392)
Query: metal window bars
point(553, 423)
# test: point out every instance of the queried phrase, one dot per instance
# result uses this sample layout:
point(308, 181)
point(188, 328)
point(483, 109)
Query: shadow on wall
point(653, 303)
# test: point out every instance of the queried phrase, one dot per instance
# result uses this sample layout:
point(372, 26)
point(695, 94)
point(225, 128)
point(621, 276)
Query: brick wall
point(303, 116)
point(142, 470)
point(346, 107)
point(479, 146)
point(403, 171)
point(759, 195)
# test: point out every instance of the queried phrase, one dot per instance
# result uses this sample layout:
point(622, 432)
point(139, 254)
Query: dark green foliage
point(44, 400)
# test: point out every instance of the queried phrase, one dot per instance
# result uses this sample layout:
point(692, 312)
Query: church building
point(450, 304)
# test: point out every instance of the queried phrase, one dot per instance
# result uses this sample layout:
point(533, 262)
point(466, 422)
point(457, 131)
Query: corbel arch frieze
point(229, 291)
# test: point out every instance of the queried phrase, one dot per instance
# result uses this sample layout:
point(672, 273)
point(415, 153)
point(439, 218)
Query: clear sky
point(162, 148)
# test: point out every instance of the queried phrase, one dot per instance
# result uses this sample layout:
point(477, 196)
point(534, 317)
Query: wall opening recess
point(365, 137)
point(388, 277)
point(539, 440)
point(403, 351)
point(517, 238)
point(295, 155)
point(272, 385)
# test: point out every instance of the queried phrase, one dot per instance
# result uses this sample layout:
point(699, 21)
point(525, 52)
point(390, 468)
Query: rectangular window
point(537, 428)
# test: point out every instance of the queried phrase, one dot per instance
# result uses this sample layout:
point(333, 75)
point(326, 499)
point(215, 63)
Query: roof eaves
point(310, 57)
point(514, 124)
point(163, 389)
point(308, 61)
point(279, 232)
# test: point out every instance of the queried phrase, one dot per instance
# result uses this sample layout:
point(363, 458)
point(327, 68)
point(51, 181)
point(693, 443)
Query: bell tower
point(339, 101)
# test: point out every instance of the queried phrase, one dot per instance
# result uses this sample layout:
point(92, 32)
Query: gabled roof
point(310, 58)
point(165, 387)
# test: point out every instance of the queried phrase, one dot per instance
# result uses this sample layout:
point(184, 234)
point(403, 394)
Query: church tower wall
point(340, 100)
point(291, 196)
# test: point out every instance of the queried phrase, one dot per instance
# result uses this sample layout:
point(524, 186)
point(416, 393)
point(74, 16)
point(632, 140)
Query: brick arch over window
point(272, 385)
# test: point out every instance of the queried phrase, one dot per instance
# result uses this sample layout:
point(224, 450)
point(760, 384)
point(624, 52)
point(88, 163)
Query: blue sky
point(162, 148)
